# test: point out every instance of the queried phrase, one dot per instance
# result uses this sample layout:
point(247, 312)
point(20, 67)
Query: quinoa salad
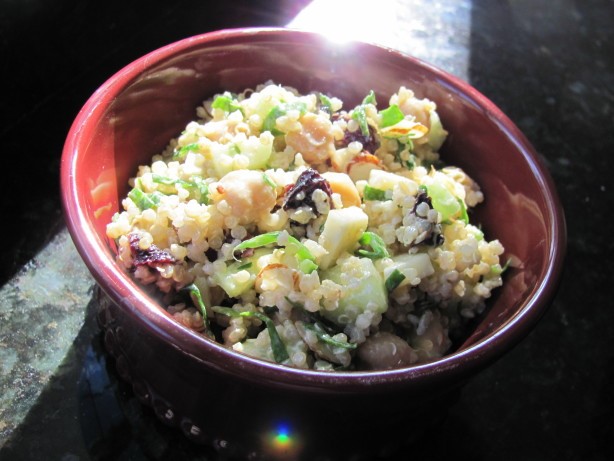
point(290, 228)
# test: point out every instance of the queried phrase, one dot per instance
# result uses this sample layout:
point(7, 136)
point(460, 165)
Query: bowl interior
point(136, 112)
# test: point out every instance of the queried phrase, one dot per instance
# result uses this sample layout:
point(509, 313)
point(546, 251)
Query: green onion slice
point(226, 103)
point(391, 116)
point(394, 280)
point(378, 247)
point(304, 257)
point(373, 193)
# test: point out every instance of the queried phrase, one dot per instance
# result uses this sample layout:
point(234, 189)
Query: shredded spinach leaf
point(326, 338)
point(277, 345)
point(195, 184)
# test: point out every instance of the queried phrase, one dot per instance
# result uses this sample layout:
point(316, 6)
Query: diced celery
point(367, 292)
point(444, 201)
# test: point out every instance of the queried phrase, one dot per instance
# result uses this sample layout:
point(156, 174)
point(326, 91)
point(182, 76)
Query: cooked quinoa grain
point(289, 228)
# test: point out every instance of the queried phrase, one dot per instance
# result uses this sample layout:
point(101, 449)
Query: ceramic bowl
point(257, 410)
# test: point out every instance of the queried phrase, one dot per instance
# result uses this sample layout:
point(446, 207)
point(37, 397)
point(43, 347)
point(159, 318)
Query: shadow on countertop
point(54, 55)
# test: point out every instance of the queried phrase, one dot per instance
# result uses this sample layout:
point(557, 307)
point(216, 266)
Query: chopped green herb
point(498, 270)
point(369, 99)
point(277, 346)
point(360, 116)
point(372, 193)
point(391, 116)
point(378, 247)
point(326, 103)
point(394, 280)
point(269, 181)
point(244, 266)
point(195, 184)
point(464, 216)
point(166, 181)
point(198, 300)
point(323, 336)
point(142, 200)
point(278, 111)
point(304, 257)
point(226, 103)
point(203, 190)
point(179, 154)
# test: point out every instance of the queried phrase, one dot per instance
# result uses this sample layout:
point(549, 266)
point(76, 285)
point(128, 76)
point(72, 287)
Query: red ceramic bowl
point(258, 410)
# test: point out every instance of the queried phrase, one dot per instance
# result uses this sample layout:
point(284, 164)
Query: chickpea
point(247, 194)
point(315, 142)
point(386, 351)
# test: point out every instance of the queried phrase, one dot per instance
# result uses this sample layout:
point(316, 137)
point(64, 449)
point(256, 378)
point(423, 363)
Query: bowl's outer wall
point(135, 113)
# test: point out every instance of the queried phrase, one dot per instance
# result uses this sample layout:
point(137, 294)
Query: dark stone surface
point(548, 64)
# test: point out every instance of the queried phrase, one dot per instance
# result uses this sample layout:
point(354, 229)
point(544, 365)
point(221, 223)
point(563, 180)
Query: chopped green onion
point(198, 300)
point(464, 216)
point(142, 200)
point(304, 257)
point(278, 111)
point(244, 266)
point(378, 247)
point(226, 103)
point(259, 241)
point(326, 103)
point(498, 270)
point(391, 116)
point(373, 193)
point(360, 116)
point(179, 154)
point(269, 181)
point(394, 280)
point(203, 190)
point(277, 346)
point(369, 99)
point(323, 336)
point(195, 183)
point(166, 181)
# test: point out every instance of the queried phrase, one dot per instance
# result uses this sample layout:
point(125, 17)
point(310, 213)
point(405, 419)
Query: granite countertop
point(549, 65)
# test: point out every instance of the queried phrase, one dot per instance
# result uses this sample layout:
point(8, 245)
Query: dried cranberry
point(369, 143)
point(422, 197)
point(434, 237)
point(301, 194)
point(152, 256)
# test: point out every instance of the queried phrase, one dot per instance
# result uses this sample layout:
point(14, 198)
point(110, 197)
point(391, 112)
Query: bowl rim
point(124, 291)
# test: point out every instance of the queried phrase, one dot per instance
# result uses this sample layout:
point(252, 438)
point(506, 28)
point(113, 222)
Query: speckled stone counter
point(548, 64)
